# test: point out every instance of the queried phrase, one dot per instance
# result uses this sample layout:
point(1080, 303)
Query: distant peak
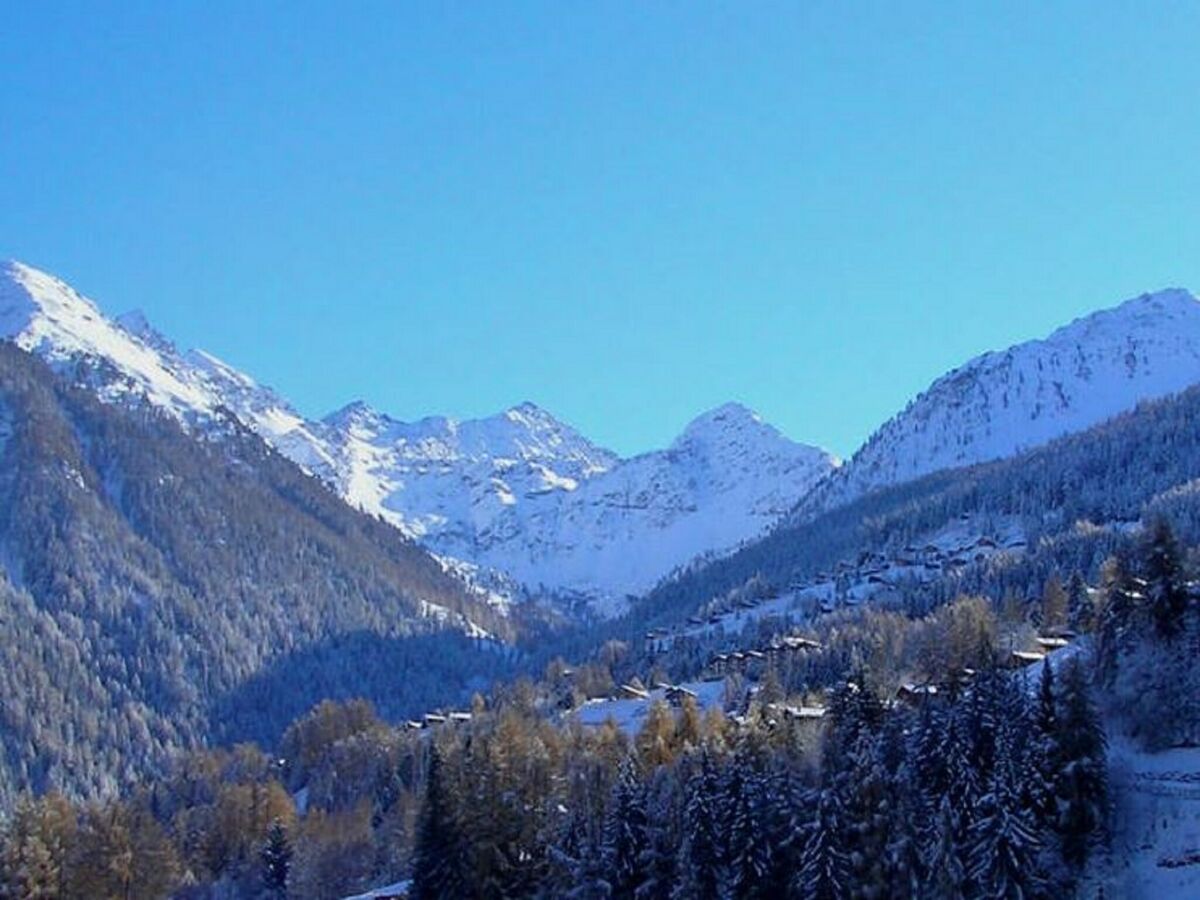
point(529, 413)
point(726, 416)
point(355, 411)
point(527, 407)
point(134, 321)
point(731, 411)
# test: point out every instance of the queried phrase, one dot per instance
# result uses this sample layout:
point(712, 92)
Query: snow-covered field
point(629, 714)
point(1156, 845)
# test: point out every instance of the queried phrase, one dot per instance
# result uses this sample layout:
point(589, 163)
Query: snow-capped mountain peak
point(519, 491)
point(1006, 401)
point(44, 315)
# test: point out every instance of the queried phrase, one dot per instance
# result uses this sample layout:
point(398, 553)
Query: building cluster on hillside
point(429, 720)
point(779, 649)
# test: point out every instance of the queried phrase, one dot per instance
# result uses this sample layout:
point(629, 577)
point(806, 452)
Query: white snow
point(526, 495)
point(1156, 845)
point(629, 714)
point(1001, 403)
point(398, 889)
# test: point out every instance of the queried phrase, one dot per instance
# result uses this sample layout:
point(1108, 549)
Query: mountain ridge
point(1002, 402)
point(502, 491)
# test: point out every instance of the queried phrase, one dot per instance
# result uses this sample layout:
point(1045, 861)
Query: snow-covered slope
point(130, 359)
point(1001, 403)
point(519, 492)
point(525, 494)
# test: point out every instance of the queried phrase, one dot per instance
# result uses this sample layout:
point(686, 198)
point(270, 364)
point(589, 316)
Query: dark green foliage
point(275, 858)
point(439, 858)
point(159, 590)
point(1080, 765)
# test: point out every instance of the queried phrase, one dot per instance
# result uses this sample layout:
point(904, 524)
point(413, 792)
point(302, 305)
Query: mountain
point(527, 495)
point(1004, 402)
point(520, 493)
point(159, 591)
point(127, 359)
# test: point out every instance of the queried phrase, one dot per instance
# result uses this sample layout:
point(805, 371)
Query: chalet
point(459, 717)
point(676, 694)
point(434, 719)
point(797, 712)
point(695, 620)
point(1060, 631)
point(632, 691)
point(1052, 643)
point(412, 725)
point(914, 694)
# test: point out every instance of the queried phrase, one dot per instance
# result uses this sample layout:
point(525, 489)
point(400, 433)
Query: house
point(676, 694)
point(914, 694)
point(1052, 643)
point(631, 691)
point(1022, 658)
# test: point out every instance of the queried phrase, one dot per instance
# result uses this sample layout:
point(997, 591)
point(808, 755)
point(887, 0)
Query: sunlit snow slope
point(519, 492)
point(1001, 403)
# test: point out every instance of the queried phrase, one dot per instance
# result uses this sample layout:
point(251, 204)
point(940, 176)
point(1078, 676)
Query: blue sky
point(626, 212)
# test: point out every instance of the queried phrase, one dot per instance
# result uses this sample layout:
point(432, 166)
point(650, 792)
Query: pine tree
point(700, 872)
point(945, 874)
point(1080, 611)
point(624, 833)
point(1004, 841)
point(1166, 587)
point(275, 858)
point(439, 859)
point(1082, 782)
point(824, 872)
point(576, 867)
point(1043, 751)
point(749, 836)
point(658, 857)
point(1117, 615)
point(862, 791)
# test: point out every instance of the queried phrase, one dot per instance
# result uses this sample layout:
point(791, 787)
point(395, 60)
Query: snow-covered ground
point(1003, 402)
point(970, 540)
point(630, 713)
point(1156, 846)
point(398, 889)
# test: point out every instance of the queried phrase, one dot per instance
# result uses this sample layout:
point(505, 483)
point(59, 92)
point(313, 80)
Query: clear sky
point(626, 212)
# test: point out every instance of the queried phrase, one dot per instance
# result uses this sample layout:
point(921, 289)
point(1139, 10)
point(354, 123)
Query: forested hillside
point(1072, 501)
point(158, 590)
point(987, 781)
